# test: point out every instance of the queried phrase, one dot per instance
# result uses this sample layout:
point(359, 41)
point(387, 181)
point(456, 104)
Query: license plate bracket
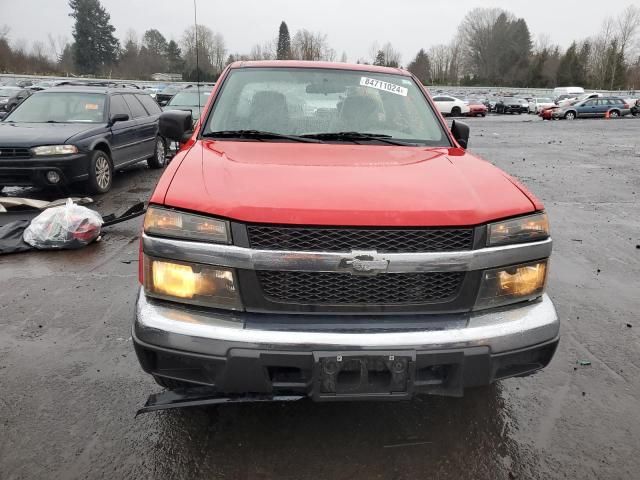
point(347, 375)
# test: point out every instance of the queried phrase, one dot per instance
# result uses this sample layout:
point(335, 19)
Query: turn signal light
point(164, 222)
point(518, 230)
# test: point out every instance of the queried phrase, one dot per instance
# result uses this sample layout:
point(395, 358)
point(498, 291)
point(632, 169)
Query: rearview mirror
point(119, 117)
point(176, 125)
point(460, 132)
point(326, 87)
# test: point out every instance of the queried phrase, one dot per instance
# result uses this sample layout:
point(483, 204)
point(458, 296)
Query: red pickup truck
point(322, 233)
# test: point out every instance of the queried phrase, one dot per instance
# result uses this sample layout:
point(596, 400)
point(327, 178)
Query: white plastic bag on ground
point(65, 227)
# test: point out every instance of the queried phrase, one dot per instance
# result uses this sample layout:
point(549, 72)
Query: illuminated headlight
point(55, 150)
point(172, 223)
point(502, 286)
point(518, 230)
point(191, 283)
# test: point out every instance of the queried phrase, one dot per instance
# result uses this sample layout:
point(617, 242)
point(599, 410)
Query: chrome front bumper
point(173, 327)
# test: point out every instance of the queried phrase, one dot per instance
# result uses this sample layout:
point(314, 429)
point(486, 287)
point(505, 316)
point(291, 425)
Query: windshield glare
point(190, 98)
point(299, 101)
point(60, 107)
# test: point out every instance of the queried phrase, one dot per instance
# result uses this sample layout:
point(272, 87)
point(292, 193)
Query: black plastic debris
point(132, 212)
point(11, 237)
point(203, 396)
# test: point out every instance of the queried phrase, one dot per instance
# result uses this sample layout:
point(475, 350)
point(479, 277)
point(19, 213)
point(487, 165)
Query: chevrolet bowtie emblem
point(365, 263)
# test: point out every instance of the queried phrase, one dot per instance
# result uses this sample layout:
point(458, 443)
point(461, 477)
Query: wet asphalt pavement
point(70, 383)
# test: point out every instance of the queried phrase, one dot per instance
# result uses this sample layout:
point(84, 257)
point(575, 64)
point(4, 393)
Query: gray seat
point(359, 113)
point(269, 112)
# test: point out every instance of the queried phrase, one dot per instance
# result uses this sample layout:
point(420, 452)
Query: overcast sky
point(351, 25)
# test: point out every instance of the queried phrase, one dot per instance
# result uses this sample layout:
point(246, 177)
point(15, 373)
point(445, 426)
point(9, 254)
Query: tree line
point(491, 47)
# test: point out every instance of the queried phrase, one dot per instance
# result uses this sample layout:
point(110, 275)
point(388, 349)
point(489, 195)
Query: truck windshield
point(60, 107)
point(310, 101)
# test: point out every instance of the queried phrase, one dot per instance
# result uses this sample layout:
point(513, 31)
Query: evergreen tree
point(616, 67)
point(153, 53)
point(380, 60)
point(567, 67)
point(581, 75)
point(65, 59)
point(128, 63)
point(537, 77)
point(175, 63)
point(284, 43)
point(155, 42)
point(521, 44)
point(95, 46)
point(421, 67)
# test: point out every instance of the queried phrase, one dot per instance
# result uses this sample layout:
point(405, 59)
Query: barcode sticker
point(384, 86)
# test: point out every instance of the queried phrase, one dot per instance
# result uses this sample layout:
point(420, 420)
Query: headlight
point(502, 286)
point(172, 223)
point(55, 150)
point(518, 230)
point(191, 283)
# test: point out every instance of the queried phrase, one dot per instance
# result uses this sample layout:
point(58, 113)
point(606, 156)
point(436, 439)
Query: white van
point(570, 91)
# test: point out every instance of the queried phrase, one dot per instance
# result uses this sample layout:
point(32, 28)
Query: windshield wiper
point(356, 136)
point(258, 135)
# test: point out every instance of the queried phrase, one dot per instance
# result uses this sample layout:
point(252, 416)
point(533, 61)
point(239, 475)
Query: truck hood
point(338, 184)
point(34, 134)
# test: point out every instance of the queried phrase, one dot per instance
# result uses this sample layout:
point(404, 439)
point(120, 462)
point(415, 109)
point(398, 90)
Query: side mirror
point(119, 117)
point(460, 132)
point(2, 115)
point(176, 125)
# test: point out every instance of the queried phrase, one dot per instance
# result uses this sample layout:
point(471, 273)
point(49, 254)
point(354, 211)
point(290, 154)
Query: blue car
point(64, 135)
point(594, 107)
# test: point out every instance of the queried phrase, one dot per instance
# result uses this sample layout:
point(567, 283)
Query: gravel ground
point(70, 383)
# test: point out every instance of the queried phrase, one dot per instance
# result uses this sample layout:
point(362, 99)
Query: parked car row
point(583, 106)
point(609, 107)
point(162, 93)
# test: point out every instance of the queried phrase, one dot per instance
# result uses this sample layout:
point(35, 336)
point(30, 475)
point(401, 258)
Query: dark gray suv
point(68, 134)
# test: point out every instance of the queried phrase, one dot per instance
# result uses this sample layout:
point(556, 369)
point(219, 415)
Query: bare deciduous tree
point(478, 46)
point(218, 52)
point(264, 51)
point(210, 47)
point(444, 63)
point(392, 57)
point(628, 25)
point(312, 46)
